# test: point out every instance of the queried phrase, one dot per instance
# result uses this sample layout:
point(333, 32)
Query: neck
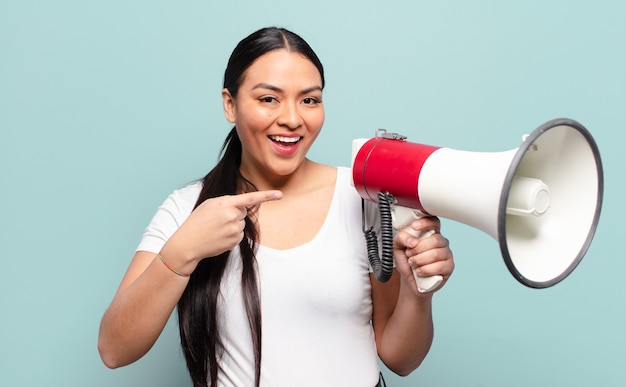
point(286, 183)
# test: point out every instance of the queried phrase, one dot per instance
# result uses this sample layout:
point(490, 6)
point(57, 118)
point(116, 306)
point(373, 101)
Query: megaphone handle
point(425, 284)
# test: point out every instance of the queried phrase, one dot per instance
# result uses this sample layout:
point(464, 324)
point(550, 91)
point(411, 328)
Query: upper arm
point(384, 300)
point(174, 210)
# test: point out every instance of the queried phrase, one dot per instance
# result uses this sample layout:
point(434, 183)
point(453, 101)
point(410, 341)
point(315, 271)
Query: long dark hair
point(198, 306)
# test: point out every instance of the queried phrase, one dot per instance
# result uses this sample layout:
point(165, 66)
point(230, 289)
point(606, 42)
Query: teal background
point(107, 106)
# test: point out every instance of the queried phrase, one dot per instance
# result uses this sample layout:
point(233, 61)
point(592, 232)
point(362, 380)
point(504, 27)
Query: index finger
point(250, 199)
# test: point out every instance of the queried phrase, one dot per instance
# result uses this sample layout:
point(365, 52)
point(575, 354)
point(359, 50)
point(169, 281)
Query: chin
point(287, 169)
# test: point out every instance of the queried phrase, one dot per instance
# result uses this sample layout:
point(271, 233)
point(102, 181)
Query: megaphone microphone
point(540, 201)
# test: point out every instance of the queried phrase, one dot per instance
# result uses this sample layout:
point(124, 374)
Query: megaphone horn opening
point(542, 250)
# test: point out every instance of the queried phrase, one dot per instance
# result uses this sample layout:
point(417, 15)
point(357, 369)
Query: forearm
point(138, 314)
point(408, 333)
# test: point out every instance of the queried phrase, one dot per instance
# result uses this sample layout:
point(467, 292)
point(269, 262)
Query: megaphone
point(540, 201)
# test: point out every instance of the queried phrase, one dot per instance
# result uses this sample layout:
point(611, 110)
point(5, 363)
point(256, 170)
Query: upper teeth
point(285, 139)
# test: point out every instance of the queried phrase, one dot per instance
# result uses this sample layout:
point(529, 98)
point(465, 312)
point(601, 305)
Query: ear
point(229, 105)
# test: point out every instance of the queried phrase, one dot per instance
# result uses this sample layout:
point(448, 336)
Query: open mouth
point(286, 141)
point(285, 145)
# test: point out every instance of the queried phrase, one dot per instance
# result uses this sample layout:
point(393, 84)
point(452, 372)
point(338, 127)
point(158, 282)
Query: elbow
point(116, 353)
point(110, 362)
point(403, 365)
point(108, 356)
point(112, 353)
point(105, 349)
point(403, 371)
point(110, 347)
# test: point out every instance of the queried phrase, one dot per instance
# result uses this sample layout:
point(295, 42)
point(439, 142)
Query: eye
point(310, 101)
point(268, 99)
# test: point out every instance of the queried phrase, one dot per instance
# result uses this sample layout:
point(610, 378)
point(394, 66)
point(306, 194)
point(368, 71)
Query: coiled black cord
point(382, 267)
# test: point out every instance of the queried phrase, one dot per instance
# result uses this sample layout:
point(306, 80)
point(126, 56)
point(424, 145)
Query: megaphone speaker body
point(540, 201)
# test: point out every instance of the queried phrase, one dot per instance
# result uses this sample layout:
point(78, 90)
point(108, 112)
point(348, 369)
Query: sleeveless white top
point(315, 300)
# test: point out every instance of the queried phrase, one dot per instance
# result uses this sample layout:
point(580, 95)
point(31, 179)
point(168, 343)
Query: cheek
point(316, 121)
point(255, 119)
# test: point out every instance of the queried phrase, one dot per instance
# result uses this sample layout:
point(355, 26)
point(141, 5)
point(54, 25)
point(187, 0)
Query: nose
point(289, 116)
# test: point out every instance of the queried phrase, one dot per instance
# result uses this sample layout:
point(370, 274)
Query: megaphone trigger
point(402, 217)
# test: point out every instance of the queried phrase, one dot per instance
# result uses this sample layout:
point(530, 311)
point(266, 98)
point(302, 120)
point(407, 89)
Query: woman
point(265, 257)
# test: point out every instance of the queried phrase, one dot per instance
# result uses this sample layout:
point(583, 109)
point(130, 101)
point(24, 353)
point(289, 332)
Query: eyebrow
point(279, 90)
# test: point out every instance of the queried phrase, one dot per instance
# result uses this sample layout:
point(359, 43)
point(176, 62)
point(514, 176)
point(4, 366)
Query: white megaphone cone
point(541, 201)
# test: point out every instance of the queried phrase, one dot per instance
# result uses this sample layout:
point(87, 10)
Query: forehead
point(281, 68)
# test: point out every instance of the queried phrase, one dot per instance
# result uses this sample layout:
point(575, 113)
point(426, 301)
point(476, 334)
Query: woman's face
point(278, 113)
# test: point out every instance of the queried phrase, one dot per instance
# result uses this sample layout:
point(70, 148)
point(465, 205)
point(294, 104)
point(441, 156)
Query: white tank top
point(315, 300)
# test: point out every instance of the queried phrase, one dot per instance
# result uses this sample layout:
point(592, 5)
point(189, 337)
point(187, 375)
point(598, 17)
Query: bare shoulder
point(321, 176)
point(321, 170)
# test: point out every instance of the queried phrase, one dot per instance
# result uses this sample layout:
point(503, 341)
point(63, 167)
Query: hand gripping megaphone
point(540, 201)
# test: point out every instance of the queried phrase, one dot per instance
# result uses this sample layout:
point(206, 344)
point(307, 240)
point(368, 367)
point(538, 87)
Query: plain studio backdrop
point(108, 106)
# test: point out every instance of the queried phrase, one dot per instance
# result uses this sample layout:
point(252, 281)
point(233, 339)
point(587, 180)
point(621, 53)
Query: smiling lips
point(285, 145)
